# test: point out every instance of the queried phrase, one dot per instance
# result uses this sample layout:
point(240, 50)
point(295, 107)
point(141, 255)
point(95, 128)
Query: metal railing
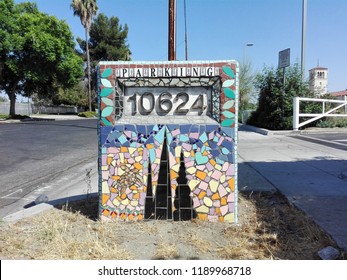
point(331, 112)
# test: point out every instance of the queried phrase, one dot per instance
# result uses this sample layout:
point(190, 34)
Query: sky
point(220, 29)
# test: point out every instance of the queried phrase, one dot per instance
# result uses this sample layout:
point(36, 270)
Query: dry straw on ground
point(269, 228)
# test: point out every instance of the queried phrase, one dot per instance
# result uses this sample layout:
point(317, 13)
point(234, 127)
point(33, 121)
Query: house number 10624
point(166, 104)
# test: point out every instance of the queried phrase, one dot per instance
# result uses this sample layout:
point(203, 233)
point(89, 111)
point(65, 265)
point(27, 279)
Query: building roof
point(339, 93)
point(319, 68)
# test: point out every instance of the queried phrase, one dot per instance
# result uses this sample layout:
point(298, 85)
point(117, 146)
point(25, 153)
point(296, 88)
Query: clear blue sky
point(219, 29)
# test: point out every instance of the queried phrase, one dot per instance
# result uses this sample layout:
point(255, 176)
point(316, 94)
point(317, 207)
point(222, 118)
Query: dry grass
point(166, 251)
point(268, 228)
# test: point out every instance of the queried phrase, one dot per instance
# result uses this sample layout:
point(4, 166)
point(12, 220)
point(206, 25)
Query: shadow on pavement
point(87, 205)
point(318, 187)
point(69, 123)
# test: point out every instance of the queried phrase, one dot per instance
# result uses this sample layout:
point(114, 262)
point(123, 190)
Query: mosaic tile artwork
point(168, 153)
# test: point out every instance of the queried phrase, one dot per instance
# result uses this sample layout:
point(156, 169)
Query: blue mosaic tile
point(152, 155)
point(122, 139)
point(184, 138)
point(185, 129)
point(134, 145)
point(203, 137)
point(228, 145)
point(201, 159)
point(231, 158)
point(149, 140)
point(141, 129)
point(225, 151)
point(129, 127)
point(113, 135)
point(212, 144)
point(219, 161)
point(149, 129)
point(195, 128)
point(210, 127)
point(169, 138)
point(119, 127)
point(172, 127)
point(160, 135)
point(215, 153)
point(229, 131)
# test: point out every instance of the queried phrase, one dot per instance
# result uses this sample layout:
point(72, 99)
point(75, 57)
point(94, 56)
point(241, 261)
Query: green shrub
point(16, 117)
point(330, 122)
point(20, 117)
point(275, 108)
point(88, 114)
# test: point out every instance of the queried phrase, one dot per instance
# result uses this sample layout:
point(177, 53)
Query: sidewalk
point(55, 117)
point(44, 117)
point(311, 176)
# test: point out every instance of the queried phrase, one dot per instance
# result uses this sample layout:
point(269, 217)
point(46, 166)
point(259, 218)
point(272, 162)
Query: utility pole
point(303, 37)
point(172, 29)
point(185, 29)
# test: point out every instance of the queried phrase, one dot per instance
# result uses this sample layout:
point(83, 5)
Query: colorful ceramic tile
point(176, 151)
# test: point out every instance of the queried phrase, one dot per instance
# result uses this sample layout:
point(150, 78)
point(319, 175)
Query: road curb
point(41, 207)
point(263, 131)
point(26, 213)
point(38, 118)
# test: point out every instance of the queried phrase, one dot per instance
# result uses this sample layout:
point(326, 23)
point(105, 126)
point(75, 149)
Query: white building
point(319, 80)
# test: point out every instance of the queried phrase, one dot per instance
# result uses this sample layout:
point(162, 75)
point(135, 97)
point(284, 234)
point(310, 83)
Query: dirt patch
point(269, 228)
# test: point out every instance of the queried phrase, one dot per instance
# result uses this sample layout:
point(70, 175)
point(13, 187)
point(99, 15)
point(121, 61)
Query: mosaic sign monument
point(167, 140)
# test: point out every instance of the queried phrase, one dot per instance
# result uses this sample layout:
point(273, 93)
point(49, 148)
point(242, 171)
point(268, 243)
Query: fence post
point(296, 111)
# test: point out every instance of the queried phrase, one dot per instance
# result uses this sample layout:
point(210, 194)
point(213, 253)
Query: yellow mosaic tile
point(202, 217)
point(213, 185)
point(201, 175)
point(207, 201)
point(105, 189)
point(202, 194)
point(104, 198)
point(229, 218)
point(231, 183)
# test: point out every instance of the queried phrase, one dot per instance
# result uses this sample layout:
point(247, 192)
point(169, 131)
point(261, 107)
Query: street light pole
point(244, 52)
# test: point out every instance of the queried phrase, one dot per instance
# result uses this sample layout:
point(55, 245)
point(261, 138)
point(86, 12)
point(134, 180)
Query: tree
point(108, 42)
point(275, 108)
point(73, 96)
point(85, 10)
point(108, 39)
point(37, 52)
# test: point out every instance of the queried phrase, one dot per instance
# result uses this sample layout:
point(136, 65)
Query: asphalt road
point(333, 140)
point(33, 155)
point(52, 158)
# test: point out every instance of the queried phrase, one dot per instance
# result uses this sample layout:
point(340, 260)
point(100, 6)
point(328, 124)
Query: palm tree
point(86, 9)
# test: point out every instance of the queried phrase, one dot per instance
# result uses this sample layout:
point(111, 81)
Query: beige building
point(319, 80)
